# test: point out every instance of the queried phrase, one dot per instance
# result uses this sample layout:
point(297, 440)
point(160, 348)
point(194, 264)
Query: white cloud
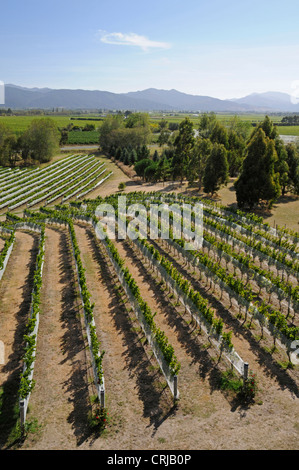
point(131, 39)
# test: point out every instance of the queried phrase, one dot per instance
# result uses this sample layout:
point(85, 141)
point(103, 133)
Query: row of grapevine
point(25, 175)
point(157, 339)
point(94, 344)
point(42, 179)
point(56, 186)
point(275, 321)
point(30, 337)
point(6, 251)
point(236, 258)
point(50, 172)
point(265, 280)
point(31, 196)
point(270, 241)
point(255, 251)
point(247, 240)
point(245, 262)
point(281, 234)
point(163, 351)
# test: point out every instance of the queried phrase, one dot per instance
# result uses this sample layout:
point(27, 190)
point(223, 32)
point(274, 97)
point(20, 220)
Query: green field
point(18, 124)
point(223, 117)
point(84, 137)
point(289, 130)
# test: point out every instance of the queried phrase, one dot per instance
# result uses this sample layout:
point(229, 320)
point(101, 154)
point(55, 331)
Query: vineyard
point(135, 342)
point(72, 177)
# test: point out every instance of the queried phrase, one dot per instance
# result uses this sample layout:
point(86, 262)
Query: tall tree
point(216, 170)
point(183, 148)
point(236, 147)
point(281, 165)
point(258, 180)
point(116, 131)
point(142, 152)
point(206, 124)
point(41, 140)
point(201, 153)
point(163, 169)
point(219, 134)
point(242, 128)
point(111, 124)
point(141, 165)
point(7, 143)
point(269, 128)
point(293, 165)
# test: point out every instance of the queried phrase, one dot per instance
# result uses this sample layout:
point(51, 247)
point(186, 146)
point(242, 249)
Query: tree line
point(263, 166)
point(292, 120)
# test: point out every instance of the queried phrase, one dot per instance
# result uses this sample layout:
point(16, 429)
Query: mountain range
point(152, 99)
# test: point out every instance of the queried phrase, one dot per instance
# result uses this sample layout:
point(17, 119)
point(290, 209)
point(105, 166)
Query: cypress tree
point(183, 147)
point(258, 180)
point(293, 164)
point(216, 170)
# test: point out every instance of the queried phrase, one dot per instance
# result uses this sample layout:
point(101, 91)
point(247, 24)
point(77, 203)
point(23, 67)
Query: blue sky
point(223, 49)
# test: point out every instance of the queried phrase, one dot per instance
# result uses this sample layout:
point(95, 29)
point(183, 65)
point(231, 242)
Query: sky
point(224, 49)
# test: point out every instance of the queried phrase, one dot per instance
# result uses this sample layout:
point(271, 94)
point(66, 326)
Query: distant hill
point(270, 101)
point(152, 99)
point(183, 102)
point(34, 98)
